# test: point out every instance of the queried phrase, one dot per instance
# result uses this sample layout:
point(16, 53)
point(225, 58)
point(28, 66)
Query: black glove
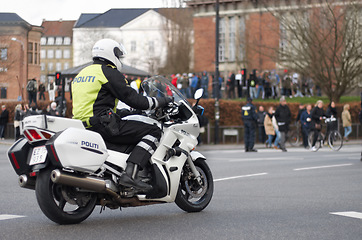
point(163, 101)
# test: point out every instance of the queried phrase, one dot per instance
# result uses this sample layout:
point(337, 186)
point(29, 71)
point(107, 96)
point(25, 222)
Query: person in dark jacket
point(4, 118)
point(261, 129)
point(283, 117)
point(248, 114)
point(301, 110)
point(231, 85)
point(332, 112)
point(18, 117)
point(317, 115)
point(41, 90)
point(305, 120)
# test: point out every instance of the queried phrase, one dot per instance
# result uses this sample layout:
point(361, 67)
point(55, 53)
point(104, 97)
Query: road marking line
point(348, 214)
point(241, 176)
point(8, 216)
point(319, 167)
point(264, 159)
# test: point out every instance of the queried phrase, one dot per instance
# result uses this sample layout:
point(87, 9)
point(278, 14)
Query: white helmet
point(110, 50)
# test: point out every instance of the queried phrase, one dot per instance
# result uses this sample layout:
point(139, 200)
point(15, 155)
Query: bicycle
point(293, 136)
point(334, 138)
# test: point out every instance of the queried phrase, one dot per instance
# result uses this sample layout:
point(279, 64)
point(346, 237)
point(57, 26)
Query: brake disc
point(193, 188)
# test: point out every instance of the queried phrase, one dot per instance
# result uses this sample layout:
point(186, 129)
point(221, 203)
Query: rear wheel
point(293, 138)
point(318, 142)
point(62, 204)
point(335, 140)
point(192, 197)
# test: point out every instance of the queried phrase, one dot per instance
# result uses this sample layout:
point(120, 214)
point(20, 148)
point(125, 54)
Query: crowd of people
point(274, 124)
point(263, 85)
point(22, 111)
point(36, 91)
point(269, 84)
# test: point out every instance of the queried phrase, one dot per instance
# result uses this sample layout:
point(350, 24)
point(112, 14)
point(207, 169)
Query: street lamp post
point(21, 68)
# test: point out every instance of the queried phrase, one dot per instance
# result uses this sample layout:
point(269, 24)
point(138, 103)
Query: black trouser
point(262, 135)
point(143, 135)
point(305, 133)
point(41, 95)
point(315, 136)
point(249, 134)
point(32, 98)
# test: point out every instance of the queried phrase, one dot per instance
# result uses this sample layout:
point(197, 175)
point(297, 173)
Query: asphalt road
point(264, 195)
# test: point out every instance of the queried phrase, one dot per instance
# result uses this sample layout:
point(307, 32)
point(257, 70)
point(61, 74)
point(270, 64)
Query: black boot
point(129, 178)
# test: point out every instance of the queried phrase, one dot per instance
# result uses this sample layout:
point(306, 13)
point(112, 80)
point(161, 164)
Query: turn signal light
point(34, 135)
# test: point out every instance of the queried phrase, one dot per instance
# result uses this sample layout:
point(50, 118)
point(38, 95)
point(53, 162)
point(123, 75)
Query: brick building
point(244, 28)
point(56, 52)
point(19, 55)
point(251, 37)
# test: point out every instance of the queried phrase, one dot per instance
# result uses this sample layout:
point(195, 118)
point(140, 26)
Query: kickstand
point(103, 208)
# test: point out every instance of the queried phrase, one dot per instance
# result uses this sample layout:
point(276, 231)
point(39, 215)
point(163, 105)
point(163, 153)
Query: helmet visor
point(118, 53)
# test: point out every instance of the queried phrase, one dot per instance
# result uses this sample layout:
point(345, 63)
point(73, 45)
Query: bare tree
point(322, 41)
point(178, 35)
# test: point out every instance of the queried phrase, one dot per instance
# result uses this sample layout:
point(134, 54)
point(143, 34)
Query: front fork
point(177, 151)
point(194, 170)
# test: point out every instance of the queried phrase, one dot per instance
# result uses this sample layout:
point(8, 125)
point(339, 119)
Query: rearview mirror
point(198, 94)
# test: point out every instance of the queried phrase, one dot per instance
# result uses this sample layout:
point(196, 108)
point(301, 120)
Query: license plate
point(38, 156)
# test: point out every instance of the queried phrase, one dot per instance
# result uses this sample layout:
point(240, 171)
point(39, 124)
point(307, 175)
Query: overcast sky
point(34, 11)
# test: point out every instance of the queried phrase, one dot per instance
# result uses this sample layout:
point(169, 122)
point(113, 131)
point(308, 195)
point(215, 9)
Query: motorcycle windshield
point(159, 86)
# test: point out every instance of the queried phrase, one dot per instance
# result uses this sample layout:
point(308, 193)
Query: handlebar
point(330, 119)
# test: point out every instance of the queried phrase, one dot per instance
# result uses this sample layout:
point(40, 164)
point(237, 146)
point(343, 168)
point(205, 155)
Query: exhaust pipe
point(26, 182)
point(88, 183)
point(96, 185)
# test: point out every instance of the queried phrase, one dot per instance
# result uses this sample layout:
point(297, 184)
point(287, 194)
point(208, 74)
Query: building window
point(30, 53)
point(67, 41)
point(232, 34)
point(59, 41)
point(66, 54)
point(43, 41)
point(50, 54)
point(43, 54)
point(241, 38)
point(3, 92)
point(283, 41)
point(58, 54)
point(50, 67)
point(36, 53)
point(133, 46)
point(33, 54)
point(3, 54)
point(42, 66)
point(58, 66)
point(50, 41)
point(151, 47)
point(66, 65)
point(222, 32)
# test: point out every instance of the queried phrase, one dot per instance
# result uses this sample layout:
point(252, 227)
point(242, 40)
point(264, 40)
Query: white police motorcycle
point(73, 169)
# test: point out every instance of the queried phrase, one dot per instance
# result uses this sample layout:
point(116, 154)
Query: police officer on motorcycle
point(249, 116)
point(96, 90)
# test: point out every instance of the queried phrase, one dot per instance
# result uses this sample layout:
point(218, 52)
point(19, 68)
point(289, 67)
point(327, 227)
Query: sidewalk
point(240, 146)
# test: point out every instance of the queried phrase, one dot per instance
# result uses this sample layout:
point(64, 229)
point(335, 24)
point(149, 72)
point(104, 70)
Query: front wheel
point(62, 204)
point(192, 197)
